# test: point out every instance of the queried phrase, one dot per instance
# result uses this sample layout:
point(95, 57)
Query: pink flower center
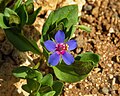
point(61, 48)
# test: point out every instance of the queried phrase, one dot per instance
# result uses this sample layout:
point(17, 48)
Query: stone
point(110, 76)
point(78, 50)
point(111, 30)
point(95, 11)
point(118, 58)
point(87, 7)
point(105, 90)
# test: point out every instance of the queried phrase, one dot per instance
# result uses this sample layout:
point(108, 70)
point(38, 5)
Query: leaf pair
point(20, 41)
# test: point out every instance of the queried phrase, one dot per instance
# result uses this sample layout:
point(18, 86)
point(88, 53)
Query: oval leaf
point(83, 64)
point(83, 68)
point(12, 16)
point(22, 13)
point(17, 4)
point(51, 93)
point(67, 73)
point(33, 85)
point(39, 76)
point(70, 13)
point(2, 24)
point(47, 80)
point(57, 89)
point(85, 28)
point(26, 88)
point(89, 57)
point(20, 41)
point(21, 72)
point(32, 17)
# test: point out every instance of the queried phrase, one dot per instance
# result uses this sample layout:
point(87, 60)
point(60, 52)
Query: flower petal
point(60, 37)
point(72, 44)
point(68, 58)
point(50, 45)
point(54, 59)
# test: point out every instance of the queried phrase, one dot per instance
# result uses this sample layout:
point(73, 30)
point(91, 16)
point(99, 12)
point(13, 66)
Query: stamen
point(61, 48)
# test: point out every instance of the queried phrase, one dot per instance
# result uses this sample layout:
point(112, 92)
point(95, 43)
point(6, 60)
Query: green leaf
point(17, 4)
point(34, 74)
point(47, 24)
point(82, 66)
point(37, 94)
point(47, 80)
point(21, 11)
point(39, 76)
point(20, 41)
point(28, 2)
point(57, 87)
point(70, 32)
point(32, 17)
point(30, 9)
point(89, 57)
point(37, 65)
point(51, 93)
point(33, 85)
point(84, 28)
point(31, 74)
point(29, 6)
point(70, 13)
point(26, 88)
point(21, 72)
point(66, 73)
point(12, 16)
point(45, 89)
point(60, 26)
point(2, 24)
point(52, 33)
point(2, 5)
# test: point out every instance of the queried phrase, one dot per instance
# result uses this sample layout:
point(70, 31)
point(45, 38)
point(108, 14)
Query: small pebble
point(87, 7)
point(70, 86)
point(110, 76)
point(113, 81)
point(97, 70)
point(111, 30)
point(105, 90)
point(78, 50)
point(118, 58)
point(95, 11)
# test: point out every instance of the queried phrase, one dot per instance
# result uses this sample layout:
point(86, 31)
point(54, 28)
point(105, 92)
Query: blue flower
point(59, 49)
